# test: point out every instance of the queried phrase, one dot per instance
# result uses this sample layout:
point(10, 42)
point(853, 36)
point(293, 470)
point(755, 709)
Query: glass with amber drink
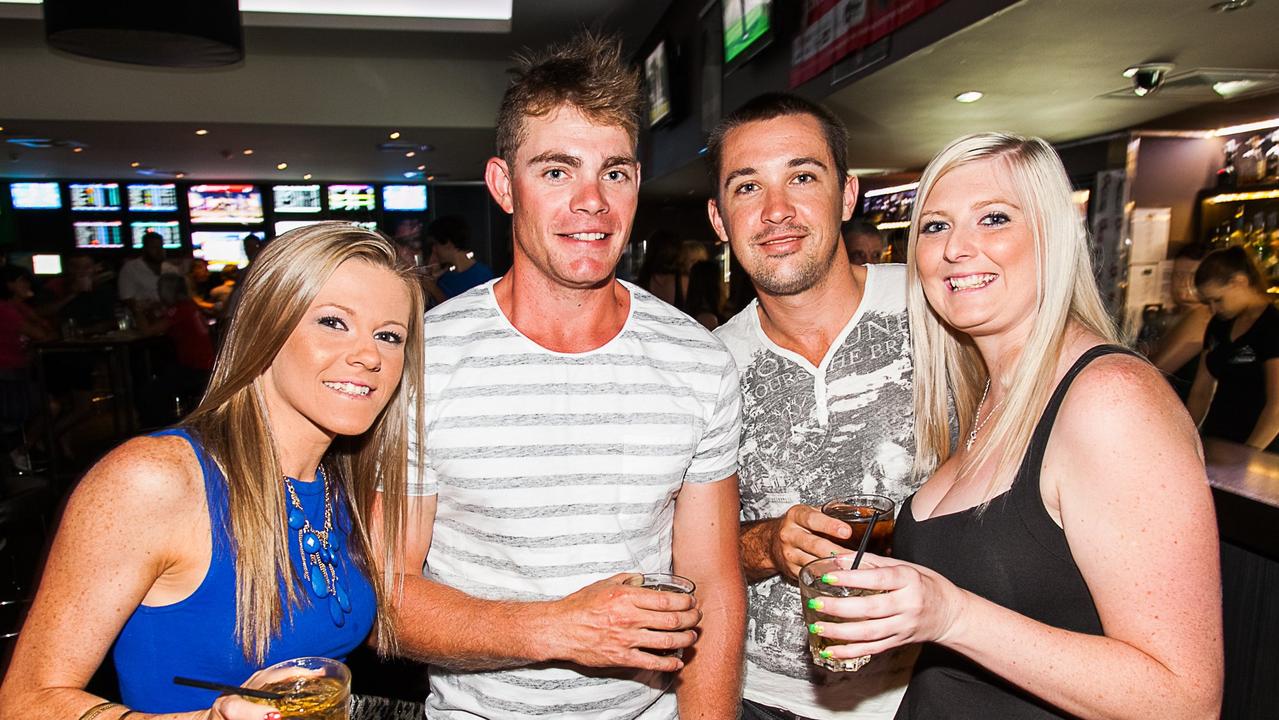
point(314, 688)
point(857, 510)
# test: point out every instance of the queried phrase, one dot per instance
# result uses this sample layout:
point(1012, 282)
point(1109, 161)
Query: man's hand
point(788, 543)
point(611, 624)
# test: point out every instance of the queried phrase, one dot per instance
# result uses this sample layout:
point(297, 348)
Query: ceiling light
point(77, 149)
point(970, 96)
point(248, 151)
point(306, 176)
point(410, 153)
point(430, 178)
point(1, 128)
point(421, 167)
point(134, 164)
point(890, 190)
point(179, 175)
point(410, 174)
point(1249, 127)
point(281, 166)
point(395, 135)
point(449, 9)
point(1230, 5)
point(201, 131)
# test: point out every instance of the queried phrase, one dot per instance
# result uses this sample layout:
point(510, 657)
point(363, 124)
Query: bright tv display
point(98, 234)
point(296, 198)
point(228, 204)
point(404, 198)
point(284, 226)
point(745, 23)
point(46, 264)
point(167, 230)
point(162, 197)
point(35, 196)
point(220, 248)
point(96, 197)
point(352, 198)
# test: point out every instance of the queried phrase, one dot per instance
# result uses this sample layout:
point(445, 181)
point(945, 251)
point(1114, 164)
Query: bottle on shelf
point(1272, 158)
point(1257, 240)
point(1236, 236)
point(1250, 168)
point(1226, 177)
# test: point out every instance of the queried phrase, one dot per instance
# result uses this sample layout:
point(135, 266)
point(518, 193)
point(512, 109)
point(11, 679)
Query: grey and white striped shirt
point(555, 470)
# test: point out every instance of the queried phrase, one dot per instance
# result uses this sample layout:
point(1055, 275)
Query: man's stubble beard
point(808, 275)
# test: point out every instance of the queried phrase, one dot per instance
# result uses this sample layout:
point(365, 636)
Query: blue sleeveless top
point(195, 637)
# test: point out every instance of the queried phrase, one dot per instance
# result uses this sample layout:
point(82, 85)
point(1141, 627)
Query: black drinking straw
point(861, 549)
point(224, 688)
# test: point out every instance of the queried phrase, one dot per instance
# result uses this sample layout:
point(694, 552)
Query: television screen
point(94, 235)
point(658, 79)
point(296, 198)
point(46, 264)
point(284, 226)
point(404, 197)
point(352, 198)
point(220, 248)
point(35, 196)
point(95, 196)
point(745, 22)
point(371, 225)
point(168, 230)
point(153, 198)
point(233, 204)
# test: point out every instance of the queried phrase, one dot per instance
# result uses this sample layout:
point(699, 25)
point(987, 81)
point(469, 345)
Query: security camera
point(1148, 77)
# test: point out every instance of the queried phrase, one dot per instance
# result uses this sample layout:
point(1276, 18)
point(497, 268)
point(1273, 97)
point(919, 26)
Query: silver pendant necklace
point(978, 423)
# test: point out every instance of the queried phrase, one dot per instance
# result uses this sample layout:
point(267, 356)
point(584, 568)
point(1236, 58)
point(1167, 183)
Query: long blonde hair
point(947, 364)
point(233, 426)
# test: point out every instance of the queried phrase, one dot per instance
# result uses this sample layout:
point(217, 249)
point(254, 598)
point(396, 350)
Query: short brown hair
point(768, 107)
point(586, 73)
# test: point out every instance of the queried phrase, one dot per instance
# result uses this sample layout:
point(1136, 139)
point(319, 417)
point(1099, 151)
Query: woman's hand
point(234, 707)
point(916, 605)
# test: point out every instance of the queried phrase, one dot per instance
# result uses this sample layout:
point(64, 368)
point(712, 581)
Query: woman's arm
point(1267, 427)
point(122, 529)
point(1201, 392)
point(1183, 342)
point(1124, 465)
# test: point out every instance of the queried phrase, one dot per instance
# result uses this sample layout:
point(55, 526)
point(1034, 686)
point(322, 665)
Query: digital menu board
point(162, 197)
point(98, 234)
point(352, 198)
point(404, 197)
point(167, 230)
point(35, 196)
point(296, 198)
point(220, 248)
point(229, 204)
point(97, 197)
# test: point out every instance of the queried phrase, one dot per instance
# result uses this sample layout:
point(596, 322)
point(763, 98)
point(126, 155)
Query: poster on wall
point(658, 79)
point(834, 28)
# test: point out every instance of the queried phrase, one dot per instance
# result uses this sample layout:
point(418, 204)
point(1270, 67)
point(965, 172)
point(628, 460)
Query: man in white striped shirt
point(579, 431)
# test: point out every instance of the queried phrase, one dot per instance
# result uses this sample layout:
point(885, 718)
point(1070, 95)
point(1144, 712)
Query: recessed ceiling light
point(306, 176)
point(1, 128)
point(77, 149)
point(970, 96)
point(410, 175)
point(421, 167)
point(430, 178)
point(134, 164)
point(410, 153)
point(395, 135)
point(180, 175)
point(248, 151)
point(281, 166)
point(201, 131)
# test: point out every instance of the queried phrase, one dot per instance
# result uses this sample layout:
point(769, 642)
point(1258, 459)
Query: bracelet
point(126, 714)
point(97, 710)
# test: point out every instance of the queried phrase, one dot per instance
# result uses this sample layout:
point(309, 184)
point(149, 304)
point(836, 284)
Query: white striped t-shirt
point(555, 470)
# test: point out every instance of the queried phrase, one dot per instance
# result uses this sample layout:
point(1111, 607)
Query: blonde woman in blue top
point(242, 537)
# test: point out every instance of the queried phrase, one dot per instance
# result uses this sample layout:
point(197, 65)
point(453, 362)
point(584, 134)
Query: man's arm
point(787, 543)
point(705, 551)
point(604, 624)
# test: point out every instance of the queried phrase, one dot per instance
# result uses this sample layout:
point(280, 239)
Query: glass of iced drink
point(813, 591)
point(857, 510)
point(314, 688)
point(665, 582)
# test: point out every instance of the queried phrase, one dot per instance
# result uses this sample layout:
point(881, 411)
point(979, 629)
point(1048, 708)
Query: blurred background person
point(137, 284)
point(199, 284)
point(1236, 390)
point(705, 299)
point(659, 272)
point(864, 242)
point(19, 327)
point(220, 294)
point(451, 257)
point(1180, 333)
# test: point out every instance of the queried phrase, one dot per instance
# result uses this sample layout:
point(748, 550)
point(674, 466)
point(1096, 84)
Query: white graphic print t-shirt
point(810, 434)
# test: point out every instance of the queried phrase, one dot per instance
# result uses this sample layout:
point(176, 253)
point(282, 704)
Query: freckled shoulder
point(156, 477)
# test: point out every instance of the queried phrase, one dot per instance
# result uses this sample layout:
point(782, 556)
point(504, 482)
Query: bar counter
point(1245, 489)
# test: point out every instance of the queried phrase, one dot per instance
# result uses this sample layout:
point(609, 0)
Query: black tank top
point(1012, 554)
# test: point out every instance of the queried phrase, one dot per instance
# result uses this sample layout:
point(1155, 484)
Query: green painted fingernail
point(815, 629)
point(815, 604)
point(829, 578)
point(825, 653)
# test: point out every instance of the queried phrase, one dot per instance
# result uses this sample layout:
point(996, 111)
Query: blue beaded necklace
point(319, 550)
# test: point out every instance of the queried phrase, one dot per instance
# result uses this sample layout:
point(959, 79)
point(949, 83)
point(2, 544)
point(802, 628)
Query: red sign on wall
point(835, 28)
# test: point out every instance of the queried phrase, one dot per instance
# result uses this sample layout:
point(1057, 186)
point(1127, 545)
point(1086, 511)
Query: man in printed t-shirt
point(578, 431)
point(825, 367)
